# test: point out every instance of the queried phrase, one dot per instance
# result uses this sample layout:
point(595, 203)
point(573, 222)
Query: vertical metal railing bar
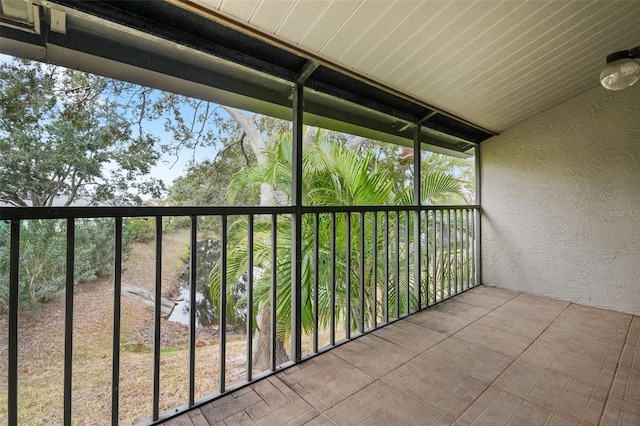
point(157, 316)
point(477, 213)
point(386, 268)
point(441, 254)
point(14, 276)
point(462, 246)
point(469, 237)
point(455, 253)
point(434, 256)
point(68, 320)
point(476, 246)
point(465, 247)
point(417, 259)
point(475, 240)
point(274, 290)
point(445, 255)
point(316, 278)
point(465, 243)
point(477, 252)
point(117, 289)
point(333, 280)
point(222, 315)
point(407, 244)
point(471, 242)
point(193, 250)
point(397, 264)
point(426, 257)
point(466, 250)
point(449, 253)
point(374, 277)
point(362, 280)
point(250, 248)
point(348, 275)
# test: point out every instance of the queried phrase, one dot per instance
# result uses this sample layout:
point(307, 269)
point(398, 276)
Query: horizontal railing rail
point(26, 213)
point(362, 267)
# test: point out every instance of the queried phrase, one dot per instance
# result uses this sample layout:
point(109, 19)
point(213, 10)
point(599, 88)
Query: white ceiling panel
point(299, 20)
point(395, 44)
point(329, 23)
point(271, 13)
point(350, 31)
point(493, 63)
point(370, 38)
point(242, 10)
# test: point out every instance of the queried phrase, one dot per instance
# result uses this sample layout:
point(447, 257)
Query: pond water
point(207, 255)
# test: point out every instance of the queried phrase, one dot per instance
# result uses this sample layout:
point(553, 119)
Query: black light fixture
point(622, 69)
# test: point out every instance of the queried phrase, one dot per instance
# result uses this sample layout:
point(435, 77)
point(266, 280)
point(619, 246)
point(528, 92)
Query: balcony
point(488, 356)
point(362, 268)
point(513, 82)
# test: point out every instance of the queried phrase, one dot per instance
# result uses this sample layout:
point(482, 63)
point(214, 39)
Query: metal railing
point(361, 268)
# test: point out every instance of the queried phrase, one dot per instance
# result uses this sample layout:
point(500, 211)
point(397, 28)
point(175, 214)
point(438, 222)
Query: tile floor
point(488, 356)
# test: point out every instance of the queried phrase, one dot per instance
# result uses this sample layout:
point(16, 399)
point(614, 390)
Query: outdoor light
point(622, 69)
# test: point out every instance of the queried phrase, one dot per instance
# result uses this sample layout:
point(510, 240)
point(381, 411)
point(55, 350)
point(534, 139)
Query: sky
point(168, 167)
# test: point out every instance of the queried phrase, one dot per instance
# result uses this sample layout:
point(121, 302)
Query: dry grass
point(41, 350)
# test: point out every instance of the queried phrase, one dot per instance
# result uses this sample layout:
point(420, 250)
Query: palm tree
point(333, 176)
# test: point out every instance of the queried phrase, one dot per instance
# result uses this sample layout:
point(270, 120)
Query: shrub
point(140, 228)
point(43, 257)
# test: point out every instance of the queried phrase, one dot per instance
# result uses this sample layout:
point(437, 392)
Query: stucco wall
point(561, 202)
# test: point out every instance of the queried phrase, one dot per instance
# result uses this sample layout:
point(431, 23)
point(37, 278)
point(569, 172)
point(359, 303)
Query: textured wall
point(561, 202)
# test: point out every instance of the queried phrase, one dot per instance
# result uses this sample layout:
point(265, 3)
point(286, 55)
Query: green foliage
point(333, 176)
point(206, 183)
point(66, 135)
point(398, 161)
point(42, 273)
point(140, 228)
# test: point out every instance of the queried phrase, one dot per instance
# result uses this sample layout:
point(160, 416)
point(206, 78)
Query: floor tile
point(441, 388)
point(489, 356)
point(498, 340)
point(373, 355)
point(497, 407)
point(325, 380)
point(462, 310)
point(377, 404)
point(472, 359)
point(286, 413)
point(571, 396)
point(481, 300)
point(495, 292)
point(438, 321)
point(411, 337)
point(229, 405)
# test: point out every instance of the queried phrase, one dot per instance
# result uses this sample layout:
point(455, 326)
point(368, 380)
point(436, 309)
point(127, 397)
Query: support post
point(14, 272)
point(417, 202)
point(478, 219)
point(296, 229)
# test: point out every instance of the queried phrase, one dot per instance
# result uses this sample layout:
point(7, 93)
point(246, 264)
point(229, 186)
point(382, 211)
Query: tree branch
point(12, 197)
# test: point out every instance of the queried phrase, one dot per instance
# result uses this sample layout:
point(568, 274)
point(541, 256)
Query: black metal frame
point(238, 48)
point(112, 30)
point(465, 258)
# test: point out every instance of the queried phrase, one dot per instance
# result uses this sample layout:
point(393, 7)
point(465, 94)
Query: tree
point(205, 183)
point(67, 135)
point(398, 160)
point(333, 175)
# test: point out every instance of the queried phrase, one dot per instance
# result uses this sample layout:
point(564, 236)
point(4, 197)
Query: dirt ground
point(41, 349)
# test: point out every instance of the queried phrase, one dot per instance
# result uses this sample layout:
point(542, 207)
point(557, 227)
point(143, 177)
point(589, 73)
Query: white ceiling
point(493, 63)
